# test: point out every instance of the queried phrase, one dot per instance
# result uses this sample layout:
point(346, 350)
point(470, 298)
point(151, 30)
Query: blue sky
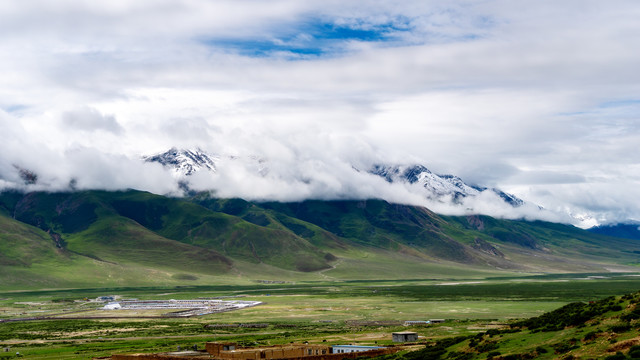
point(314, 37)
point(538, 98)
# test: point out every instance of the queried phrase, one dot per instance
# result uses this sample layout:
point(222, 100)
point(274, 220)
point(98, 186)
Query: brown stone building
point(231, 351)
point(293, 351)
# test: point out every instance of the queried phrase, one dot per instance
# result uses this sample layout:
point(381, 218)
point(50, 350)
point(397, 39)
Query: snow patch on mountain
point(437, 186)
point(185, 162)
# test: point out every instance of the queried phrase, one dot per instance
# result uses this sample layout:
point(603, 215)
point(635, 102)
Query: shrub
point(512, 357)
point(634, 352)
point(487, 346)
point(563, 347)
point(615, 308)
point(435, 351)
point(620, 328)
point(634, 315)
point(541, 350)
point(459, 356)
point(590, 336)
point(572, 314)
point(617, 356)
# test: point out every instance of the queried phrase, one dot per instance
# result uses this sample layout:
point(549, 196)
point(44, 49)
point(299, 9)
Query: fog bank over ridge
point(288, 174)
point(542, 103)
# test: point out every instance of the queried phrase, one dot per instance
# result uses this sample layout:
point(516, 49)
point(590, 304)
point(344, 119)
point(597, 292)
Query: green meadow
point(338, 272)
point(337, 312)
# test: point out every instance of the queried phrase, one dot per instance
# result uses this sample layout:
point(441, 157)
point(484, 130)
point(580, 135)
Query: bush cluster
point(573, 314)
point(436, 351)
point(634, 353)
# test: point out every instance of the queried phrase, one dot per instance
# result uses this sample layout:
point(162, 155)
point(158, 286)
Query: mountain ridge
point(185, 172)
point(185, 162)
point(202, 237)
point(438, 185)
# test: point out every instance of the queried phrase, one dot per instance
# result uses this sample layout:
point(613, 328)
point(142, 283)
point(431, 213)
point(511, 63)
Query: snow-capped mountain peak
point(183, 161)
point(447, 188)
point(437, 186)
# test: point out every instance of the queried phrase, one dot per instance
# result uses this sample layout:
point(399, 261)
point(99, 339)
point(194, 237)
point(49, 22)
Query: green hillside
point(473, 240)
point(90, 237)
point(30, 258)
point(94, 221)
point(604, 329)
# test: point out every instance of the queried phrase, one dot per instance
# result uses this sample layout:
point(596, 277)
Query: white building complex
point(189, 307)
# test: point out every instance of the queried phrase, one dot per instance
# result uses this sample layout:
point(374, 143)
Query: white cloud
point(89, 119)
point(537, 97)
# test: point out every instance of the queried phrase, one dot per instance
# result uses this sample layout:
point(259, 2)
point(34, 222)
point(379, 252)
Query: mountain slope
point(474, 240)
point(22, 245)
point(604, 329)
point(627, 231)
point(122, 240)
point(31, 258)
point(438, 186)
point(88, 215)
point(376, 223)
point(233, 236)
point(112, 235)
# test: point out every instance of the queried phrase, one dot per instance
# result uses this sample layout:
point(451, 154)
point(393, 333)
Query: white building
point(112, 306)
point(343, 349)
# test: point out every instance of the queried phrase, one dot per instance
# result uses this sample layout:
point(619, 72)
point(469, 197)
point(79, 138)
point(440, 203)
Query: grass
point(389, 265)
point(303, 311)
point(134, 238)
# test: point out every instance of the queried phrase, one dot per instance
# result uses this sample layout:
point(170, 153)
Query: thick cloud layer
point(538, 98)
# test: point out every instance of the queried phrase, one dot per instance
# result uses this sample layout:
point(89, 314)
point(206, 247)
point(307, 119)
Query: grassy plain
point(338, 312)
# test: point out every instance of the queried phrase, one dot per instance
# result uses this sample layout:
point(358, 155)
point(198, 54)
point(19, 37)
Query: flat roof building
point(344, 349)
point(404, 336)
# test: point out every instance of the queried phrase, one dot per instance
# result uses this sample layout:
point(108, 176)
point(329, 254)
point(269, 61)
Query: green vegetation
point(572, 314)
point(334, 271)
point(336, 313)
point(575, 331)
point(133, 238)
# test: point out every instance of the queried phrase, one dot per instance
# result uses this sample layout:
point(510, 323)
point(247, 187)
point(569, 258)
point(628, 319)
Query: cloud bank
point(538, 98)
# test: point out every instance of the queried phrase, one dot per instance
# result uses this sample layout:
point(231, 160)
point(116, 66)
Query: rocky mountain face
point(438, 186)
point(183, 161)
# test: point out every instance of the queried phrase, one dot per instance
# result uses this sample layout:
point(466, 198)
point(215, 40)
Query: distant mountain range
point(414, 179)
point(626, 231)
point(437, 187)
point(101, 238)
point(186, 162)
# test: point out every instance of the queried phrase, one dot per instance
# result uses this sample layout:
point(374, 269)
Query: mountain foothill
point(131, 237)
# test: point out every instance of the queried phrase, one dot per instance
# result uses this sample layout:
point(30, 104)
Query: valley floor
point(363, 312)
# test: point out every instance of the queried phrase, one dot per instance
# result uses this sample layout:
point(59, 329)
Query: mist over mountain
point(541, 105)
point(438, 186)
point(184, 163)
point(445, 190)
point(180, 171)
